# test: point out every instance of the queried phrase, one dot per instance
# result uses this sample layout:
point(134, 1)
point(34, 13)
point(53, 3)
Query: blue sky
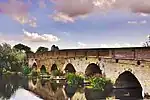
point(75, 26)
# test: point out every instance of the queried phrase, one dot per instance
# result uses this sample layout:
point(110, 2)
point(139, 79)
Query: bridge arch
point(70, 68)
point(34, 65)
point(92, 69)
point(43, 69)
point(54, 67)
point(128, 86)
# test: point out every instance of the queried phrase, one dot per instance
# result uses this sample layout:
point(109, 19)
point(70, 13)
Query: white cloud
point(143, 22)
point(66, 33)
point(143, 14)
point(117, 45)
point(137, 22)
point(61, 17)
point(36, 37)
point(80, 44)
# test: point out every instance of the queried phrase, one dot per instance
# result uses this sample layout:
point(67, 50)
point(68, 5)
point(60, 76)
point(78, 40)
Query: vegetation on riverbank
point(11, 59)
point(98, 83)
point(73, 79)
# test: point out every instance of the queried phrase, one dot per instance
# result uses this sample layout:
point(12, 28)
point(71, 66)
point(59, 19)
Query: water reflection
point(50, 90)
point(9, 84)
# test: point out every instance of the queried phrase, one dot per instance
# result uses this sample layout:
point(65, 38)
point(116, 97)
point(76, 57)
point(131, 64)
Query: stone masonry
point(116, 61)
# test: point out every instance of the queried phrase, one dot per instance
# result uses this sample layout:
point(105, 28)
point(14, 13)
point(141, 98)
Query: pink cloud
point(135, 6)
point(14, 7)
point(42, 3)
point(19, 11)
point(75, 8)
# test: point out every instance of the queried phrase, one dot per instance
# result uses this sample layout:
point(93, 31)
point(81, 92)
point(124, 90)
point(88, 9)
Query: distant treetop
point(22, 47)
point(41, 49)
point(54, 48)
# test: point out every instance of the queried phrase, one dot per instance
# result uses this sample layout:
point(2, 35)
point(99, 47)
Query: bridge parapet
point(114, 53)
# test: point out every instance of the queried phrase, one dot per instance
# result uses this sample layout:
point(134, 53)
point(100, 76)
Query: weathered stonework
point(80, 58)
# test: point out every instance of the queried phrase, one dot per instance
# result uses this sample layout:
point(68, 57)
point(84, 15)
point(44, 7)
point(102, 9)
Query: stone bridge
point(115, 62)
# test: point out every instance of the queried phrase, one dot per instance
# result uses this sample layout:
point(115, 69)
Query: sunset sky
point(75, 23)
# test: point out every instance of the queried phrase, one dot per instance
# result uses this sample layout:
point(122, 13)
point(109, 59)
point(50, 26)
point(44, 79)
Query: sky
point(75, 23)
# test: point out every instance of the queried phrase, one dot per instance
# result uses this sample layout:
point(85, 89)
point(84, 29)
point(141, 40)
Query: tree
point(22, 47)
point(42, 49)
point(147, 43)
point(10, 58)
point(54, 48)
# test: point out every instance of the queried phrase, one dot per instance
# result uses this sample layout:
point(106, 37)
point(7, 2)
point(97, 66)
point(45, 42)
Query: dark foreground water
point(15, 87)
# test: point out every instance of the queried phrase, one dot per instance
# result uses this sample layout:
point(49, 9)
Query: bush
point(26, 70)
point(99, 82)
point(73, 79)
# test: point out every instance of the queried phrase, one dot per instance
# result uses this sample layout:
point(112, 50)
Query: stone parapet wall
point(118, 53)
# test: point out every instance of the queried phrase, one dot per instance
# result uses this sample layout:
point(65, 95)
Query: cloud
point(137, 22)
point(14, 7)
point(80, 44)
point(26, 20)
point(19, 11)
point(135, 6)
point(61, 17)
point(73, 8)
point(42, 4)
point(66, 33)
point(115, 45)
point(143, 14)
point(36, 37)
point(76, 8)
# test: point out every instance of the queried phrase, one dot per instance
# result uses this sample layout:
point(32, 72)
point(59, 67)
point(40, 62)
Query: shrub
point(99, 82)
point(26, 70)
point(73, 79)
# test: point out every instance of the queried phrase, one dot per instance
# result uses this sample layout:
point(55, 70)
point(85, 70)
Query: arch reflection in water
point(43, 82)
point(34, 81)
point(70, 68)
point(96, 94)
point(70, 90)
point(128, 87)
point(92, 69)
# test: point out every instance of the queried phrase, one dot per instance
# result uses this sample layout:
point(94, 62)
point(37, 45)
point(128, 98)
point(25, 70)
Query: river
point(15, 87)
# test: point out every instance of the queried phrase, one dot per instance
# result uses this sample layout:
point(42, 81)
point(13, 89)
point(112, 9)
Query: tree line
point(14, 58)
point(27, 49)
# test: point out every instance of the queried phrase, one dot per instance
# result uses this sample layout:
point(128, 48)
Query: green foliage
point(42, 49)
point(57, 73)
point(98, 82)
point(26, 70)
point(10, 58)
point(22, 47)
point(73, 79)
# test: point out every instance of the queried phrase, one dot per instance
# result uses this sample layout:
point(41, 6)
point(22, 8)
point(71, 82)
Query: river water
point(15, 87)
